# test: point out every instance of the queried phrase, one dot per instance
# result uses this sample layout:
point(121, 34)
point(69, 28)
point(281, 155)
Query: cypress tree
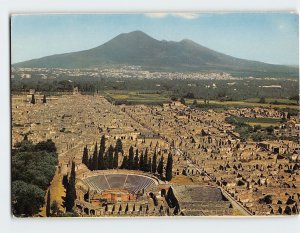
point(102, 144)
point(124, 163)
point(154, 163)
point(65, 181)
point(44, 99)
point(116, 159)
point(101, 160)
point(160, 167)
point(169, 167)
point(90, 163)
point(95, 158)
point(32, 99)
point(149, 165)
point(71, 191)
point(105, 160)
point(110, 157)
point(145, 161)
point(101, 156)
point(136, 160)
point(85, 156)
point(48, 204)
point(141, 165)
point(130, 159)
point(119, 145)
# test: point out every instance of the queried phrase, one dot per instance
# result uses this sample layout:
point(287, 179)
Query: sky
point(267, 37)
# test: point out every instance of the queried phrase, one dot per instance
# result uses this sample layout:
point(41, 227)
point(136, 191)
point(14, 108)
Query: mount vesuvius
point(137, 48)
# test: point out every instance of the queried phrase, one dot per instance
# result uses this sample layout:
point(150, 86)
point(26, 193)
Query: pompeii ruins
point(214, 172)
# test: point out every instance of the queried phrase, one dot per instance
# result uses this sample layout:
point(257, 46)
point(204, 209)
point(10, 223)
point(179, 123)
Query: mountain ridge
point(138, 48)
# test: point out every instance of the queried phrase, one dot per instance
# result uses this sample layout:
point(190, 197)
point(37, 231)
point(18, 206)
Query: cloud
point(180, 15)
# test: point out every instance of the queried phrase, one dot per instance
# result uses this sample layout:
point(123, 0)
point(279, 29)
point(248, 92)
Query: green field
point(132, 97)
point(272, 100)
point(263, 122)
point(156, 98)
point(245, 104)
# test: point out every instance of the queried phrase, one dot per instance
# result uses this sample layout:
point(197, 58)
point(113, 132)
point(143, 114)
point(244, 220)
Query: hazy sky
point(267, 37)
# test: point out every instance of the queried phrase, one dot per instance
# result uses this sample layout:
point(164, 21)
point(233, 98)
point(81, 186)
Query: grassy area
point(242, 104)
point(244, 126)
point(132, 97)
point(263, 122)
point(272, 100)
point(156, 98)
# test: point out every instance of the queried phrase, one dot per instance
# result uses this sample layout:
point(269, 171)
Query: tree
point(173, 98)
point(124, 163)
point(141, 165)
point(90, 163)
point(110, 157)
point(27, 199)
point(101, 164)
point(101, 160)
point(295, 97)
point(130, 159)
point(71, 191)
point(44, 99)
point(65, 181)
point(48, 146)
point(32, 99)
point(105, 160)
point(169, 167)
point(262, 100)
point(48, 204)
point(116, 159)
point(270, 129)
point(95, 158)
point(154, 163)
point(145, 160)
point(136, 160)
point(195, 102)
point(54, 208)
point(160, 167)
point(102, 144)
point(190, 95)
point(85, 156)
point(149, 165)
point(34, 167)
point(182, 100)
point(119, 145)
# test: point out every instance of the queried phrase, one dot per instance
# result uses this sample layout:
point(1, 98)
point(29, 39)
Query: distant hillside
point(137, 48)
